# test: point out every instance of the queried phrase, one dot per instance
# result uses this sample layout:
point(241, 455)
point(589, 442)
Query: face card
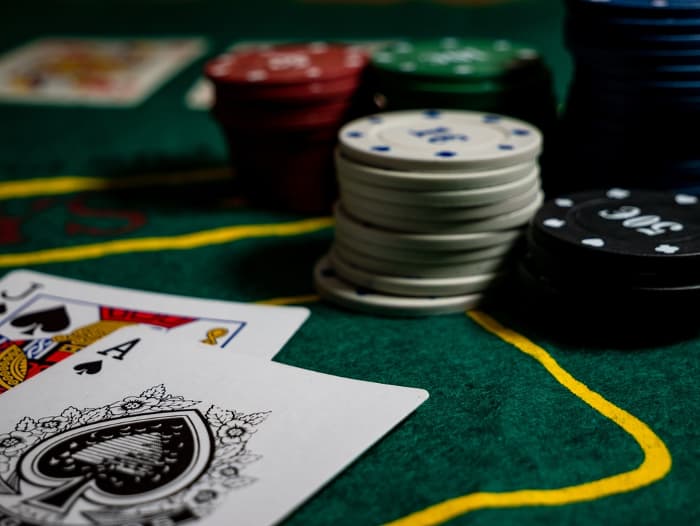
point(216, 436)
point(79, 71)
point(44, 319)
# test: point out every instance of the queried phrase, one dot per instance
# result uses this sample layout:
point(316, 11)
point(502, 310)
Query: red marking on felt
point(132, 220)
point(10, 230)
point(39, 205)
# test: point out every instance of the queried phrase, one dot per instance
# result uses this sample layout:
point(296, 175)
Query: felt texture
point(496, 420)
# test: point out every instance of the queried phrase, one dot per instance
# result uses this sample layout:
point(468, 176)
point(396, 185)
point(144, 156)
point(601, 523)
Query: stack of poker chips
point(615, 258)
point(280, 108)
point(495, 76)
point(635, 91)
point(432, 205)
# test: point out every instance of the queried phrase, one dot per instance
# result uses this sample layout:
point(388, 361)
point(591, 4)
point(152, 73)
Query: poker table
point(522, 427)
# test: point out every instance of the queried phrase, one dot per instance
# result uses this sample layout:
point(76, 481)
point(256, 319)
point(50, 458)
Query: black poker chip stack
point(634, 95)
point(623, 260)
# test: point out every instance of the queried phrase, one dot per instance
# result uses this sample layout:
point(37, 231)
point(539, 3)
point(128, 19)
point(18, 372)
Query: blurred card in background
point(104, 72)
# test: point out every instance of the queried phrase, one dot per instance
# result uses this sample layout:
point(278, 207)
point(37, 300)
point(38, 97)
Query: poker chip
point(412, 285)
point(663, 228)
point(454, 59)
point(623, 253)
point(397, 255)
point(338, 291)
point(413, 224)
point(410, 240)
point(636, 86)
point(289, 94)
point(302, 184)
point(372, 263)
point(445, 199)
point(489, 75)
point(641, 8)
point(289, 99)
point(509, 220)
point(412, 217)
point(613, 315)
point(486, 91)
point(287, 64)
point(429, 181)
point(253, 119)
point(439, 140)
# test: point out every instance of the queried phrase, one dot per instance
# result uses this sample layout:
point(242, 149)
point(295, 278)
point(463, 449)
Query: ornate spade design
point(119, 462)
point(49, 320)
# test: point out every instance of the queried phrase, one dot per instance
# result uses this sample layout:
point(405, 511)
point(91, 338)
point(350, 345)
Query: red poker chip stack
point(280, 108)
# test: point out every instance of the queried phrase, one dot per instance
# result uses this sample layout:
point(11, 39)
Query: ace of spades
point(121, 462)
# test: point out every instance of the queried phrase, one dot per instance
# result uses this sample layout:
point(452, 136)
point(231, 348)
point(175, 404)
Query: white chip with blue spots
point(370, 207)
point(430, 181)
point(349, 227)
point(440, 140)
point(397, 255)
point(462, 198)
point(372, 263)
point(513, 219)
point(413, 286)
point(334, 289)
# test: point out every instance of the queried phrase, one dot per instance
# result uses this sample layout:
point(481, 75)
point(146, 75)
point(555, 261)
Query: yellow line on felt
point(69, 184)
point(656, 464)
point(291, 300)
point(203, 238)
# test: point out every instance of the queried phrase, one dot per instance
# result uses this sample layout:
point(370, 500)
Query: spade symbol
point(50, 320)
point(88, 367)
point(120, 462)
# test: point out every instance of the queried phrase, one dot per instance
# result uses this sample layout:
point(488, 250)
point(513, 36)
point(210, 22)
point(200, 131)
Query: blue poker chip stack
point(634, 94)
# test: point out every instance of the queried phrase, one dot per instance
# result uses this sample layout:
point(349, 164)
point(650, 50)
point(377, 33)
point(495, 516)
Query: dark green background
point(496, 421)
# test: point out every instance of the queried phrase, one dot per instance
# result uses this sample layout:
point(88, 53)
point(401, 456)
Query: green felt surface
point(495, 421)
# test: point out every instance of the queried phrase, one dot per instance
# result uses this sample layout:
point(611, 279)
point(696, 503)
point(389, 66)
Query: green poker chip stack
point(485, 75)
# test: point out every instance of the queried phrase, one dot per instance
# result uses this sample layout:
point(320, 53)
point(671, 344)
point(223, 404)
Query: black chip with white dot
point(657, 230)
point(617, 261)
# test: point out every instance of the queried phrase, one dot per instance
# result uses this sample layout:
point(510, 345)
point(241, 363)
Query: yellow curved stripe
point(656, 463)
point(70, 184)
point(216, 236)
point(291, 300)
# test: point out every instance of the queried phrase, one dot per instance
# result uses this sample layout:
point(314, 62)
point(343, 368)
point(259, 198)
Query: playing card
point(181, 433)
point(201, 95)
point(79, 71)
point(44, 319)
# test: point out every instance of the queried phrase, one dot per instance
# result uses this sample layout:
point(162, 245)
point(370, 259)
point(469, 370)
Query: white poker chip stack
point(432, 203)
